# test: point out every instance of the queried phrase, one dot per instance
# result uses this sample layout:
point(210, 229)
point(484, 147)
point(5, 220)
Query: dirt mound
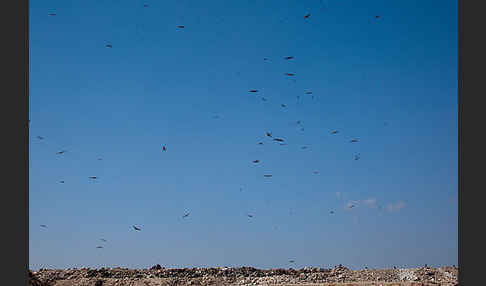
point(158, 275)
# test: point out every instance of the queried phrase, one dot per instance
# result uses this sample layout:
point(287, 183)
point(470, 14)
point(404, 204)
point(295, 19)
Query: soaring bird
point(185, 215)
point(291, 261)
point(99, 159)
point(377, 17)
point(109, 46)
point(353, 140)
point(104, 240)
point(351, 206)
point(308, 92)
point(145, 5)
point(61, 152)
point(249, 215)
point(307, 16)
point(283, 105)
point(303, 147)
point(99, 247)
point(93, 177)
point(357, 157)
point(289, 58)
point(316, 172)
point(278, 140)
point(331, 212)
point(256, 161)
point(264, 99)
point(269, 134)
point(267, 176)
point(265, 59)
point(136, 228)
point(254, 90)
point(43, 225)
point(260, 143)
point(180, 26)
point(62, 182)
point(164, 148)
point(40, 137)
point(52, 14)
point(335, 132)
point(290, 74)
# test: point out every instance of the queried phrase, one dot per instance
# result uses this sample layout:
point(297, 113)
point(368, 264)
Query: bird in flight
point(260, 143)
point(43, 225)
point(40, 137)
point(164, 148)
point(335, 132)
point(249, 215)
point(269, 134)
point(62, 182)
point(253, 90)
point(145, 5)
point(136, 228)
point(303, 147)
point(109, 46)
point(290, 74)
point(331, 212)
point(278, 140)
point(52, 14)
point(316, 172)
point(93, 177)
point(291, 261)
point(185, 215)
point(99, 247)
point(267, 176)
point(265, 59)
point(353, 140)
point(180, 26)
point(256, 161)
point(283, 144)
point(264, 99)
point(104, 240)
point(283, 105)
point(351, 206)
point(99, 159)
point(308, 92)
point(357, 157)
point(61, 152)
point(289, 58)
point(307, 16)
point(377, 17)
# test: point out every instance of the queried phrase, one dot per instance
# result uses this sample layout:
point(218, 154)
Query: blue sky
point(390, 82)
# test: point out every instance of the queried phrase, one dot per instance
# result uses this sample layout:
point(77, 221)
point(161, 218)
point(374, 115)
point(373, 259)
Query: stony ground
point(157, 276)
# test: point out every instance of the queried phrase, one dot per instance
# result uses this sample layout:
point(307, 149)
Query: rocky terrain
point(158, 275)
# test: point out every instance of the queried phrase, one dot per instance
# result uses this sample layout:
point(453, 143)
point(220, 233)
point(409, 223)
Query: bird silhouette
point(164, 148)
point(136, 228)
point(40, 137)
point(290, 74)
point(99, 247)
point(253, 90)
point(60, 152)
point(52, 14)
point(278, 139)
point(43, 225)
point(269, 134)
point(185, 215)
point(109, 46)
point(249, 215)
point(93, 177)
point(289, 58)
point(353, 140)
point(283, 105)
point(267, 176)
point(256, 161)
point(104, 240)
point(335, 132)
point(180, 26)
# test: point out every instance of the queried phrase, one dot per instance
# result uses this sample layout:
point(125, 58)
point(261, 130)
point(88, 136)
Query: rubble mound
point(158, 275)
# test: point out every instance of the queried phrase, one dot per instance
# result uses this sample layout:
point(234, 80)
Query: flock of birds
point(279, 140)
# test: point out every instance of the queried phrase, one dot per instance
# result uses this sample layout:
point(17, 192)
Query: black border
point(15, 159)
point(470, 208)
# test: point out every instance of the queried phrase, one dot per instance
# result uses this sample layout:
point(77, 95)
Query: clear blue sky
point(390, 82)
